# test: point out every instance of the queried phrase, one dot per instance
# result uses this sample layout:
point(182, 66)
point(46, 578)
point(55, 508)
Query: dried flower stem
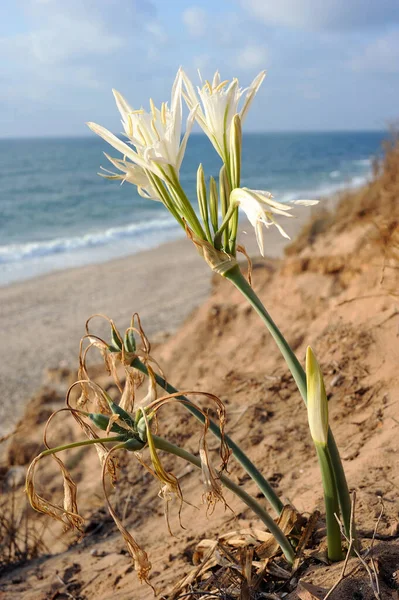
point(238, 454)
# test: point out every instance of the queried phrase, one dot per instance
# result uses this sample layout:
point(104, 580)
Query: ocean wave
point(362, 162)
point(335, 174)
point(327, 189)
point(19, 252)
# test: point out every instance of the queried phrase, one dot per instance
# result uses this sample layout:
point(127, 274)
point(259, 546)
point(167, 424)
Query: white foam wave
point(325, 189)
point(363, 162)
point(20, 252)
point(335, 174)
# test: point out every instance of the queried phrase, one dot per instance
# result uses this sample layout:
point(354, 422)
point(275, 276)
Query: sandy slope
point(338, 294)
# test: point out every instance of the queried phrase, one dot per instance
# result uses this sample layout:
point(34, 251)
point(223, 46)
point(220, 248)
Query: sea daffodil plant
point(151, 159)
point(216, 108)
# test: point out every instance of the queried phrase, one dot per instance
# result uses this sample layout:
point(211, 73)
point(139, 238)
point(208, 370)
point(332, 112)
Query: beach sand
point(336, 289)
point(43, 319)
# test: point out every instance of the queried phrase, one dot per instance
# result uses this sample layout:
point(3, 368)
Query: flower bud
point(317, 400)
point(102, 422)
point(201, 193)
point(213, 203)
point(235, 151)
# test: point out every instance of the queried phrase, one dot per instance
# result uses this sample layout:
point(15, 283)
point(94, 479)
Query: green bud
point(130, 341)
point(213, 203)
point(224, 191)
point(142, 429)
point(102, 421)
point(203, 201)
point(116, 344)
point(123, 414)
point(133, 445)
point(235, 151)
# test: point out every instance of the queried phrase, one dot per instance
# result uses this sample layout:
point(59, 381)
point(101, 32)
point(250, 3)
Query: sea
point(57, 213)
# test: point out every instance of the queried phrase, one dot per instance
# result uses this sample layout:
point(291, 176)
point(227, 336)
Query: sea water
point(56, 212)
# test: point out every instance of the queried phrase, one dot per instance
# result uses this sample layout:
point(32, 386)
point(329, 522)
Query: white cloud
point(157, 31)
point(195, 20)
point(380, 56)
point(252, 57)
point(54, 44)
point(324, 14)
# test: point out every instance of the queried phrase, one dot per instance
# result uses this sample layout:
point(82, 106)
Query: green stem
point(107, 440)
point(342, 487)
point(238, 454)
point(190, 212)
point(272, 526)
point(159, 186)
point(224, 191)
point(334, 547)
point(232, 209)
point(299, 375)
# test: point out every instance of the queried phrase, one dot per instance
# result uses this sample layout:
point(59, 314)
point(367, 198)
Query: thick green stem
point(334, 547)
point(299, 375)
point(238, 279)
point(238, 454)
point(342, 487)
point(274, 529)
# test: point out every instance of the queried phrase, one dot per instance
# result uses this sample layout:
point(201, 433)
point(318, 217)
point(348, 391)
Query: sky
point(331, 64)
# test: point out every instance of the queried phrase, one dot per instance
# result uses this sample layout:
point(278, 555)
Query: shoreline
point(42, 319)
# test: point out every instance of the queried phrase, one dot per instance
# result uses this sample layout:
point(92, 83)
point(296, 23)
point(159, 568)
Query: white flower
point(154, 137)
point(219, 104)
point(132, 174)
point(260, 209)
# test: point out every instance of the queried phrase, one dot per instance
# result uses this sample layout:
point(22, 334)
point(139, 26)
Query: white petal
point(122, 147)
point(176, 111)
point(113, 140)
point(216, 79)
point(305, 202)
point(123, 106)
point(259, 237)
point(281, 230)
point(252, 90)
point(189, 126)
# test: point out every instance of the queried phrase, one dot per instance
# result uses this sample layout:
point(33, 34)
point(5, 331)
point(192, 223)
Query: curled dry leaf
point(66, 514)
point(170, 486)
point(127, 399)
point(91, 435)
point(181, 398)
point(140, 558)
point(213, 489)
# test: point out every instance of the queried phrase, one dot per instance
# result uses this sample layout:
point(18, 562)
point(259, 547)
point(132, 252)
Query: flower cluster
point(153, 154)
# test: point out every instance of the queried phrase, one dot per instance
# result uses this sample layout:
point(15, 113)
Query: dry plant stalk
point(94, 408)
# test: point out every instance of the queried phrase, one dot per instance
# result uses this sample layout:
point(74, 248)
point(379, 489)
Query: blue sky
point(331, 64)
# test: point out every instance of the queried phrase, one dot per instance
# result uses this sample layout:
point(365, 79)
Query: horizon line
point(200, 133)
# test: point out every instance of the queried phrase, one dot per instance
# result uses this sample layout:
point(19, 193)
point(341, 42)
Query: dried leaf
point(286, 521)
point(127, 399)
point(140, 558)
point(308, 591)
point(66, 514)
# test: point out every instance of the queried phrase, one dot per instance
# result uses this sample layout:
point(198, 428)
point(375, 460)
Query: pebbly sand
point(42, 319)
